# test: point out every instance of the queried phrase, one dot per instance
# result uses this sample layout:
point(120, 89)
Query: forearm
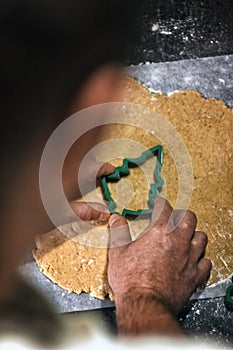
point(143, 314)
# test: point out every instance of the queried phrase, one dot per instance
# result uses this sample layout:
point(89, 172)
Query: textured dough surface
point(206, 126)
point(75, 267)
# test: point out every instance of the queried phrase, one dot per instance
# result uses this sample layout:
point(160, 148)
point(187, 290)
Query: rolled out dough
point(206, 126)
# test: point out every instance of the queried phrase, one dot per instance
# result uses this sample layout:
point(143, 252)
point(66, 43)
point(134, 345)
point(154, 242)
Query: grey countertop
point(212, 76)
point(171, 30)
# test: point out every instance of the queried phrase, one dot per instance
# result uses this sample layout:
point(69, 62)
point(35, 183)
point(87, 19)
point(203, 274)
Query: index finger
point(161, 216)
point(162, 211)
point(185, 222)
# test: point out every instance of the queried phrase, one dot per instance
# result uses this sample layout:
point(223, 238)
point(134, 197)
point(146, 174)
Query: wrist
point(142, 312)
point(142, 296)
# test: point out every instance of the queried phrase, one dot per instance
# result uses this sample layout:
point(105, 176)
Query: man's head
point(56, 57)
point(50, 49)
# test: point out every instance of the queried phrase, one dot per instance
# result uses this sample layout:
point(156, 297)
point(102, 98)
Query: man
point(59, 57)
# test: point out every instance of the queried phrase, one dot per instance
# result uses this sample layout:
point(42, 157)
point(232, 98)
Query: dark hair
point(48, 49)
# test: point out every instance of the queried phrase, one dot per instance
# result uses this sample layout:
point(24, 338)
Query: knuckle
point(203, 238)
point(189, 218)
point(191, 214)
point(184, 225)
point(200, 239)
point(159, 227)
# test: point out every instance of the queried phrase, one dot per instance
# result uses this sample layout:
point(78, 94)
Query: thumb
point(90, 211)
point(119, 231)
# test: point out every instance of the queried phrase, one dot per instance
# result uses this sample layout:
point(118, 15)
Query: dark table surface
point(182, 29)
point(205, 321)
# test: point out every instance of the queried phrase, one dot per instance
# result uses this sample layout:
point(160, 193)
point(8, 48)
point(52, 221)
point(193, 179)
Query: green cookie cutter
point(125, 170)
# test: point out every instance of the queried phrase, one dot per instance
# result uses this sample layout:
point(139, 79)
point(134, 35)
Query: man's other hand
point(166, 261)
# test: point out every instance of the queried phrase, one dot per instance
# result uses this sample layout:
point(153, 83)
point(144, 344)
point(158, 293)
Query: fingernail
point(113, 219)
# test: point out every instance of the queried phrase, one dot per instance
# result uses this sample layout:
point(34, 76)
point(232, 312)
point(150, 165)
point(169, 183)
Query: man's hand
point(93, 211)
point(73, 179)
point(161, 268)
point(81, 210)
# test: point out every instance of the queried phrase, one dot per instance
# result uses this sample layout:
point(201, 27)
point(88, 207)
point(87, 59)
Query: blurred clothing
point(30, 322)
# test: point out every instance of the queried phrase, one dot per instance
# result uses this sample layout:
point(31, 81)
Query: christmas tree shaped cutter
point(124, 170)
